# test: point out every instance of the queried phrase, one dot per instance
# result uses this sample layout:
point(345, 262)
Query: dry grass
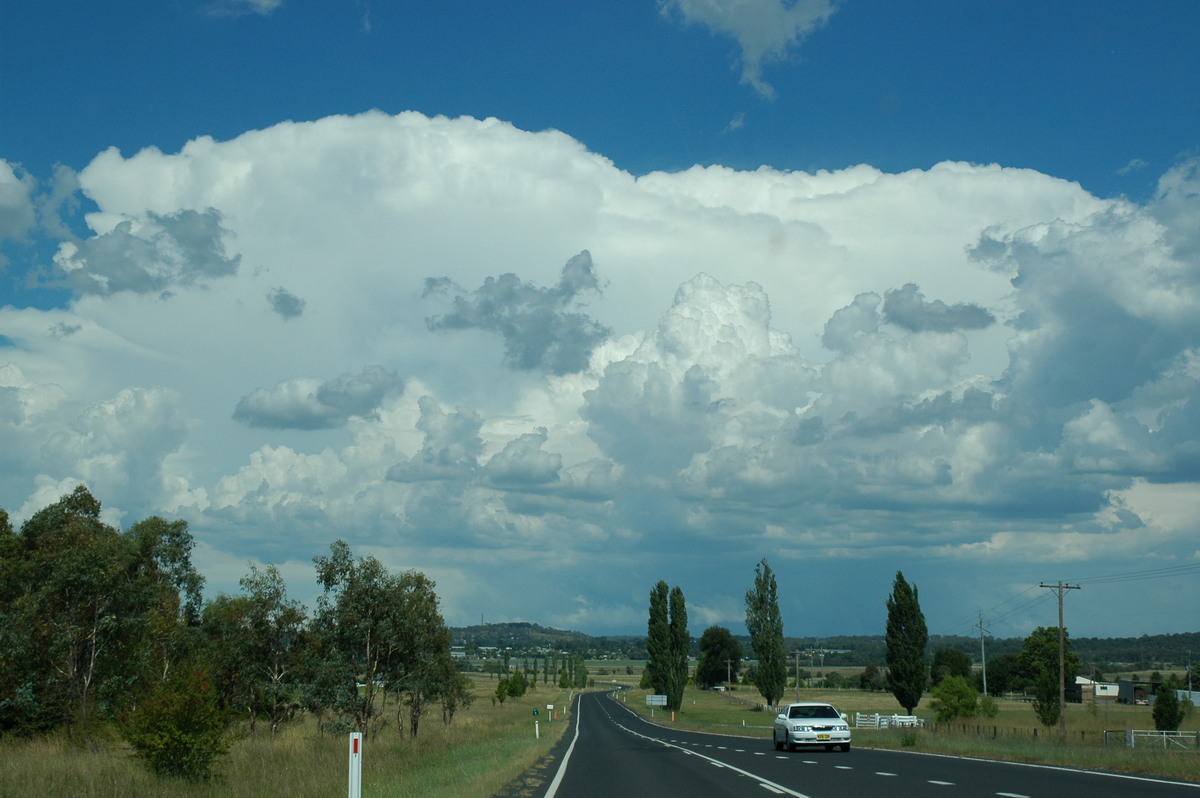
point(482, 750)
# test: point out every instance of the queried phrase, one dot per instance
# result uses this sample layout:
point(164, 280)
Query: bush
point(179, 731)
point(954, 697)
point(1046, 704)
point(1168, 712)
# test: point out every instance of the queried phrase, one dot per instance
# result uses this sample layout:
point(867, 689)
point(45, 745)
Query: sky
point(552, 301)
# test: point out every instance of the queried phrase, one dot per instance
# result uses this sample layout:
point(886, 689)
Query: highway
point(611, 751)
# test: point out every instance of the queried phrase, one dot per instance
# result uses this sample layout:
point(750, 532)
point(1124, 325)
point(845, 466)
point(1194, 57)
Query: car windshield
point(813, 712)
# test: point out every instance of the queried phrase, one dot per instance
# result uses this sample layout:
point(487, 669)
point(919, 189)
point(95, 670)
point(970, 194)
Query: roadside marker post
point(355, 784)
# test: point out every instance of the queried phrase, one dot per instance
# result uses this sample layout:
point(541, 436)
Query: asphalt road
point(611, 751)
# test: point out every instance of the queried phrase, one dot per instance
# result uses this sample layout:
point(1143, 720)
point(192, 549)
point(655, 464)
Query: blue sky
point(553, 301)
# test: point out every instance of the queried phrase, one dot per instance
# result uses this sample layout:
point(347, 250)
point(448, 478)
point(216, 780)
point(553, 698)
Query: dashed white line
point(883, 773)
point(941, 783)
point(1011, 795)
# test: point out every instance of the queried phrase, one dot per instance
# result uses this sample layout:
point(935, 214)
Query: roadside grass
point(485, 747)
point(1015, 734)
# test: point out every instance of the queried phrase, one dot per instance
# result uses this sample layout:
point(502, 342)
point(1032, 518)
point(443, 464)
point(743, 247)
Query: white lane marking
point(562, 768)
point(941, 783)
point(1011, 795)
point(843, 767)
point(774, 787)
point(883, 773)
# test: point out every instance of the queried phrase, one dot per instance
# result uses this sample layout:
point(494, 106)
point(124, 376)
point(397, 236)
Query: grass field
point(485, 747)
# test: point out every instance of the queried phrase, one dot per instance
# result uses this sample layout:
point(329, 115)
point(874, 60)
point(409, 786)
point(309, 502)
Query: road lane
point(610, 758)
point(619, 753)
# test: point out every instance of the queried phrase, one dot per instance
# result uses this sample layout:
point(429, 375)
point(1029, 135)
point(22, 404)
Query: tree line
point(102, 626)
point(957, 689)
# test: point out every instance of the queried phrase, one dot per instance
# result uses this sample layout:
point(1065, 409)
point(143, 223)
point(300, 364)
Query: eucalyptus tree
point(92, 616)
point(379, 639)
point(255, 647)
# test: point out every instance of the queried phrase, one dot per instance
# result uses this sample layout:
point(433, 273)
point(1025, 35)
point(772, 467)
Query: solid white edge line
point(562, 768)
point(1038, 766)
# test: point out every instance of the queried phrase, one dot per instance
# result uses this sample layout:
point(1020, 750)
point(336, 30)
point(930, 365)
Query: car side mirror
point(845, 717)
point(782, 715)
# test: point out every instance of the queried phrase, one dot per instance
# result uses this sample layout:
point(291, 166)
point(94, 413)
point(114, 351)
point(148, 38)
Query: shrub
point(1168, 712)
point(954, 697)
point(179, 730)
point(1046, 703)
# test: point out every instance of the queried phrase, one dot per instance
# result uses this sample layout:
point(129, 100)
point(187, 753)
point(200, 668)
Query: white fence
point(1173, 740)
point(874, 720)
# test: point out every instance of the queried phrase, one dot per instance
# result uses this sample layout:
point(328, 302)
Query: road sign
point(656, 700)
point(535, 711)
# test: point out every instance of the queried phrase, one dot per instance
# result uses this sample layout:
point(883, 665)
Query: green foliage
point(658, 639)
point(517, 684)
point(765, 625)
point(949, 662)
point(378, 630)
point(872, 678)
point(720, 656)
point(954, 697)
point(667, 644)
point(1039, 654)
point(1047, 703)
point(1003, 674)
point(89, 616)
point(254, 644)
point(1168, 711)
point(988, 707)
point(681, 643)
point(179, 731)
point(502, 689)
point(906, 638)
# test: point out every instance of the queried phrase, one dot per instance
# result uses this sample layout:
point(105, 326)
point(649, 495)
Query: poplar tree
point(681, 642)
point(658, 639)
point(907, 637)
point(667, 644)
point(765, 625)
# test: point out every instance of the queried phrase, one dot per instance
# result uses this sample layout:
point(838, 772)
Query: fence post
point(1129, 738)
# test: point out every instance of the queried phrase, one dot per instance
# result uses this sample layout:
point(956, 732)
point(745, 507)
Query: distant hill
point(520, 637)
point(1146, 652)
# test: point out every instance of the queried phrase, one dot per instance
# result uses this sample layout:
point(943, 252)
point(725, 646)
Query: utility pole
point(1061, 589)
point(728, 671)
point(797, 653)
point(982, 652)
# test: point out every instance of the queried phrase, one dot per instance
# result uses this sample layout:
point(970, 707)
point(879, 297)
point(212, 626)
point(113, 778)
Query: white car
point(809, 723)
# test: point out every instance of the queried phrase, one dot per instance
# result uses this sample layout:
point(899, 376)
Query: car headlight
point(798, 727)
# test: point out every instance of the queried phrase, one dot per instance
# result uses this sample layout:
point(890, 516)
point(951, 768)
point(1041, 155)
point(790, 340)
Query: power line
point(1152, 573)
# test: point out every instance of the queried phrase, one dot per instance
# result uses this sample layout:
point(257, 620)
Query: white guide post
point(355, 765)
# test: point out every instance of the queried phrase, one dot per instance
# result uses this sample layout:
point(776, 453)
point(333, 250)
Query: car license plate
point(822, 736)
